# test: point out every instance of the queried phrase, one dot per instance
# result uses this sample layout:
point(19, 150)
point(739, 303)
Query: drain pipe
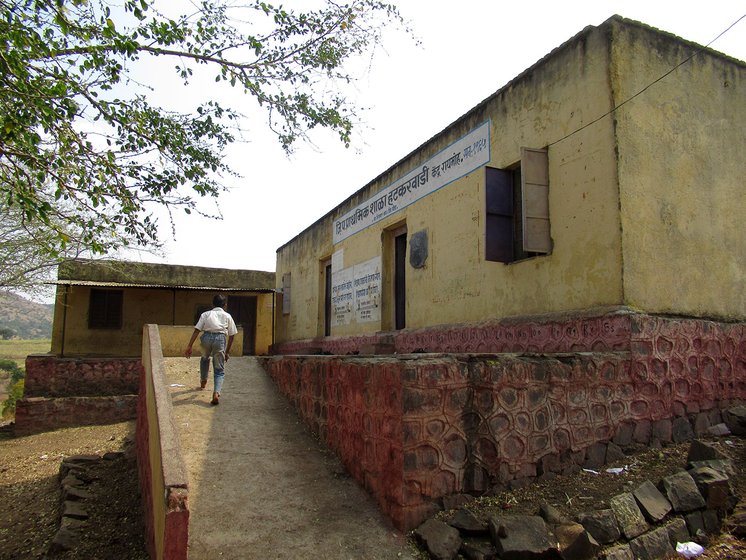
point(274, 297)
point(64, 321)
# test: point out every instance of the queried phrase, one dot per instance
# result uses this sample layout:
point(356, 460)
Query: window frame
point(517, 223)
point(106, 309)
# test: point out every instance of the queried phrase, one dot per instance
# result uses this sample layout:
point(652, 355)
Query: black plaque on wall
point(418, 249)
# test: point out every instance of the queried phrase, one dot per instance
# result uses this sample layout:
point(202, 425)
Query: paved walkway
point(260, 487)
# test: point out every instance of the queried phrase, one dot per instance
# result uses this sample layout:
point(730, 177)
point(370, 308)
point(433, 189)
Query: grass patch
point(11, 385)
point(15, 384)
point(17, 350)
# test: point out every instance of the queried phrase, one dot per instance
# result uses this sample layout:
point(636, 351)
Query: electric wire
point(651, 84)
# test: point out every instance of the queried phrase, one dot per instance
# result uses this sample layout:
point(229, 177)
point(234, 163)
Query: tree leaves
point(85, 159)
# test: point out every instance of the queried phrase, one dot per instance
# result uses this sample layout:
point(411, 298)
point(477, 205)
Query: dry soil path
point(260, 486)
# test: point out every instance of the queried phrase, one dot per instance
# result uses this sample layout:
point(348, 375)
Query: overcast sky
point(468, 51)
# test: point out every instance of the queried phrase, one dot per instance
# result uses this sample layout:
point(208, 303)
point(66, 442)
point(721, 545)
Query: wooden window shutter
point(535, 200)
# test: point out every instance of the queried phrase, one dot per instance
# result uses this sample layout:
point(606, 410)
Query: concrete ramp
point(260, 486)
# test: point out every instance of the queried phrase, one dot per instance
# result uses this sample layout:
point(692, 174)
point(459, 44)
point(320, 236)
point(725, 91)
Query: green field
point(18, 349)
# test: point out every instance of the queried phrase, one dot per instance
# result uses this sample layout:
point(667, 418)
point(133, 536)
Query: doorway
point(243, 311)
point(328, 299)
point(400, 270)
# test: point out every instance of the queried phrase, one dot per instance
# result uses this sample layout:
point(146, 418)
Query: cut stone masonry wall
point(40, 414)
point(415, 428)
point(50, 376)
point(648, 522)
point(66, 392)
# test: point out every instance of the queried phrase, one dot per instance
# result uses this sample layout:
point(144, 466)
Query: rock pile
point(75, 480)
point(644, 524)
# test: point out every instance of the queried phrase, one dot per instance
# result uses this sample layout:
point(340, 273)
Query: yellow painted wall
point(539, 108)
point(303, 260)
point(174, 340)
point(140, 306)
point(683, 177)
point(647, 202)
point(154, 457)
point(264, 323)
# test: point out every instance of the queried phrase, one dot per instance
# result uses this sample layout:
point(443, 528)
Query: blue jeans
point(213, 346)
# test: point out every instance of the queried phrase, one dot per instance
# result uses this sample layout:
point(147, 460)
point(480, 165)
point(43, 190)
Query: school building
point(102, 305)
point(583, 184)
point(561, 267)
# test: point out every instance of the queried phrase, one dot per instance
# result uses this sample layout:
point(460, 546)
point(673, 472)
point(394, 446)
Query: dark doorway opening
point(400, 261)
point(243, 311)
point(328, 300)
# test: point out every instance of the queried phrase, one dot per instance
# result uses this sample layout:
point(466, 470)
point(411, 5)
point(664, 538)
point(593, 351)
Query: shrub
point(15, 386)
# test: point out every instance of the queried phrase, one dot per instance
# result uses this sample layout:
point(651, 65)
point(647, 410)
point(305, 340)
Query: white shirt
point(217, 320)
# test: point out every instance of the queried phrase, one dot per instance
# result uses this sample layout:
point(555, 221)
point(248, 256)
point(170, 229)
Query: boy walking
point(218, 329)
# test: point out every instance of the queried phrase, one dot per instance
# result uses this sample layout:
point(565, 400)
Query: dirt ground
point(250, 457)
point(589, 491)
point(295, 500)
point(30, 494)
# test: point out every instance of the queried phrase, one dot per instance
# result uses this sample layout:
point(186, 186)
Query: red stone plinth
point(414, 428)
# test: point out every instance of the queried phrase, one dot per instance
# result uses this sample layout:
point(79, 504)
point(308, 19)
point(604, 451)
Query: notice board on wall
point(356, 293)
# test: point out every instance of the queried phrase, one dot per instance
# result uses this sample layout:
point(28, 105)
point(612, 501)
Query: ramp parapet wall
point(413, 429)
point(162, 471)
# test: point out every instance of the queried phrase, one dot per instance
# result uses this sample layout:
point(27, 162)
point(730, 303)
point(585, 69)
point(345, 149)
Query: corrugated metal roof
point(102, 284)
point(135, 274)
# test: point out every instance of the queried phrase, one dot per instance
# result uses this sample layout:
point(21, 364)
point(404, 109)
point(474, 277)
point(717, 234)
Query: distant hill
point(26, 318)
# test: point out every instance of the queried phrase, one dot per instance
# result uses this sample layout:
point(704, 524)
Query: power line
point(613, 109)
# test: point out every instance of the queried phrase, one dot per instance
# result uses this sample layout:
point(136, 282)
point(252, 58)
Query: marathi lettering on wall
point(343, 297)
point(367, 285)
point(356, 293)
point(463, 156)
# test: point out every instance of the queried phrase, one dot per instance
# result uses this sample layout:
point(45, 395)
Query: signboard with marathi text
point(343, 297)
point(463, 156)
point(367, 285)
point(356, 293)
